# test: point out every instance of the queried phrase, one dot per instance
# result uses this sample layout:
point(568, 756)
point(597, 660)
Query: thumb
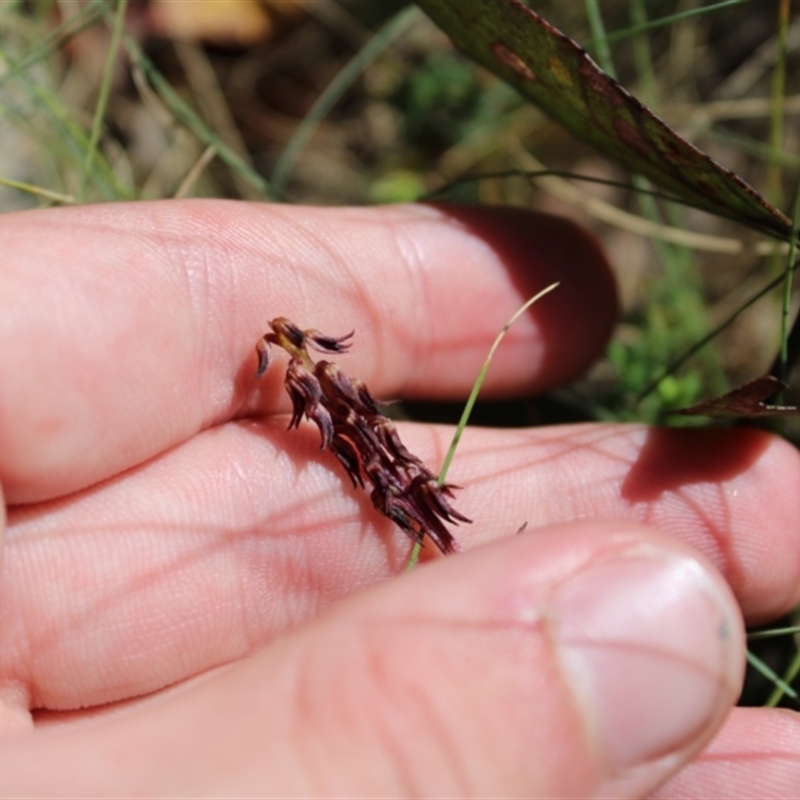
point(582, 660)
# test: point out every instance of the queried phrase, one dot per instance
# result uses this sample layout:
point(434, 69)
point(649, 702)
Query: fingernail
point(651, 646)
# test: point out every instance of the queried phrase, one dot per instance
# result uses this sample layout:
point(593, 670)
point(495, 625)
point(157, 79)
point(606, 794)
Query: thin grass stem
point(773, 632)
point(788, 676)
point(787, 289)
point(599, 37)
point(625, 33)
point(84, 18)
point(187, 116)
point(470, 404)
point(188, 183)
point(774, 189)
point(66, 199)
point(716, 244)
point(687, 354)
point(333, 93)
point(57, 129)
point(757, 664)
point(105, 91)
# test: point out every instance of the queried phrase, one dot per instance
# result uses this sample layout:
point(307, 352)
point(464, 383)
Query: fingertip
point(574, 322)
point(745, 482)
point(578, 661)
point(765, 539)
point(484, 674)
point(652, 645)
point(755, 755)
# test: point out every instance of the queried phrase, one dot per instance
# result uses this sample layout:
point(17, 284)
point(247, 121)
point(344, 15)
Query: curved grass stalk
point(470, 404)
point(644, 225)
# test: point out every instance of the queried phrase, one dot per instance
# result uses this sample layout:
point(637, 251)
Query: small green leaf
point(556, 74)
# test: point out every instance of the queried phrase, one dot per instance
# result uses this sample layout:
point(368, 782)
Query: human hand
point(185, 594)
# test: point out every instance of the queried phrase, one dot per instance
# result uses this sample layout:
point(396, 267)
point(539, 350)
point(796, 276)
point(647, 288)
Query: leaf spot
point(631, 137)
point(511, 59)
point(560, 72)
point(593, 77)
point(707, 187)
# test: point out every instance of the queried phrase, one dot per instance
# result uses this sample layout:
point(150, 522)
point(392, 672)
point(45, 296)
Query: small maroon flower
point(365, 442)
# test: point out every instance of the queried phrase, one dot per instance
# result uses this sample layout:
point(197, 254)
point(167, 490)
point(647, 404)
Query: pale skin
point(194, 601)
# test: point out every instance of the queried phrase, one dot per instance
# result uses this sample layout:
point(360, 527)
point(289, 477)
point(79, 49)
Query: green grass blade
point(333, 92)
point(470, 404)
point(695, 348)
point(599, 38)
point(774, 190)
point(753, 147)
point(84, 18)
point(772, 632)
point(550, 70)
point(43, 115)
point(789, 675)
point(38, 191)
point(192, 121)
point(105, 91)
point(616, 36)
point(757, 664)
point(476, 388)
point(787, 290)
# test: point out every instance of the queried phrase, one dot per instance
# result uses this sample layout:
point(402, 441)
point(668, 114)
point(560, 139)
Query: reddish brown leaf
point(746, 401)
point(555, 73)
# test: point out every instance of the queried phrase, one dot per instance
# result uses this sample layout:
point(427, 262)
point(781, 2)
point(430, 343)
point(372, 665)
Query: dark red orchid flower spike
point(365, 442)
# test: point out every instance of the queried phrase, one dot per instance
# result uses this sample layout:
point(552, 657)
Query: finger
point(130, 328)
point(247, 531)
point(584, 661)
point(14, 715)
point(731, 494)
point(756, 755)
